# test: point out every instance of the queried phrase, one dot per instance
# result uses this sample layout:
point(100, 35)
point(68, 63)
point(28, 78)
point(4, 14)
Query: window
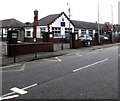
point(91, 33)
point(42, 30)
point(96, 31)
point(83, 32)
point(76, 31)
point(68, 31)
point(56, 31)
point(28, 33)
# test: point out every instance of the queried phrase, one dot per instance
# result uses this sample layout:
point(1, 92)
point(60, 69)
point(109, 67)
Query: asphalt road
point(93, 75)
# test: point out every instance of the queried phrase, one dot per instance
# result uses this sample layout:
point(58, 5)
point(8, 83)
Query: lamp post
point(112, 23)
point(69, 24)
point(98, 26)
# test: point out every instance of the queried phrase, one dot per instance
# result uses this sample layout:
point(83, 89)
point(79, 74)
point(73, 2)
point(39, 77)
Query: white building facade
point(58, 24)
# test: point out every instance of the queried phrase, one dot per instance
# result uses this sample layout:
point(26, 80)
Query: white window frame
point(90, 32)
point(83, 32)
point(31, 32)
point(42, 30)
point(28, 34)
point(68, 31)
point(57, 32)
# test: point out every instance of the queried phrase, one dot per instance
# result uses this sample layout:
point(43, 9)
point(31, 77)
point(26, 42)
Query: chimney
point(35, 25)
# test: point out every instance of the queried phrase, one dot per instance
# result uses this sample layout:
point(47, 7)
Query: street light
point(98, 26)
point(69, 23)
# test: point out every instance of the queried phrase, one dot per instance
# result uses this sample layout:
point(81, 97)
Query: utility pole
point(101, 25)
point(112, 21)
point(98, 26)
point(69, 24)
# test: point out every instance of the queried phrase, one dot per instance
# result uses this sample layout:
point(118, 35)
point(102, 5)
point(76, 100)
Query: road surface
point(93, 75)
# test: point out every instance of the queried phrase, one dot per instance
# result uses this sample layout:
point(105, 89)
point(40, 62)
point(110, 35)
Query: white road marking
point(19, 91)
point(90, 65)
point(30, 86)
point(78, 54)
point(9, 97)
point(22, 88)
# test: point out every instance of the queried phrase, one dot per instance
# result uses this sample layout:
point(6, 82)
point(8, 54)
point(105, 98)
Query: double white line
point(90, 65)
point(16, 90)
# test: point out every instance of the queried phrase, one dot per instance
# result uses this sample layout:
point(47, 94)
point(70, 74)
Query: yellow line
point(58, 59)
point(51, 60)
point(10, 66)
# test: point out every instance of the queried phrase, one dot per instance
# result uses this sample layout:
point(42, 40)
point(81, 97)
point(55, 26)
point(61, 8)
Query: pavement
point(30, 57)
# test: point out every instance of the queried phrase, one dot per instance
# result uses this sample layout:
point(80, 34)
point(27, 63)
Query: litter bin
point(87, 43)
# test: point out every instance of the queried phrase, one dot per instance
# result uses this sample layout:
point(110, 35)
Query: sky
point(81, 10)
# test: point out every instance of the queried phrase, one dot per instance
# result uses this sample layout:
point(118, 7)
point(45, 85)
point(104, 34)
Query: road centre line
point(22, 88)
point(90, 65)
point(9, 97)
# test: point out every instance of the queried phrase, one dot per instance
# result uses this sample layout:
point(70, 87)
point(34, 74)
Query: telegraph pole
point(112, 21)
point(69, 24)
point(98, 26)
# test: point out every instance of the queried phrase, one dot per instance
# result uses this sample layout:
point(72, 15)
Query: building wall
point(86, 32)
point(57, 23)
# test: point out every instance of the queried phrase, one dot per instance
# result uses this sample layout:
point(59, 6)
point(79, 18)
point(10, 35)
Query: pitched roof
point(12, 23)
point(84, 25)
point(45, 21)
point(108, 25)
point(117, 27)
point(48, 20)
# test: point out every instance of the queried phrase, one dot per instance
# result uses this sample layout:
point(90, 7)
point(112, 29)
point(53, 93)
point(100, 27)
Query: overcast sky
point(82, 10)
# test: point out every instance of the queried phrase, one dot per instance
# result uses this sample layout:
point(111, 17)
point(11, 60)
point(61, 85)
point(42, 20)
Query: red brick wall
point(30, 48)
point(93, 43)
point(28, 40)
point(55, 40)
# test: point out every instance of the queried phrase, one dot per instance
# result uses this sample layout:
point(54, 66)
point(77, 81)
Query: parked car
point(85, 37)
point(102, 37)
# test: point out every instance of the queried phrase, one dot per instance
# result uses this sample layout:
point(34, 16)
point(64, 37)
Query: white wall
point(39, 31)
point(87, 31)
point(57, 23)
point(4, 32)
